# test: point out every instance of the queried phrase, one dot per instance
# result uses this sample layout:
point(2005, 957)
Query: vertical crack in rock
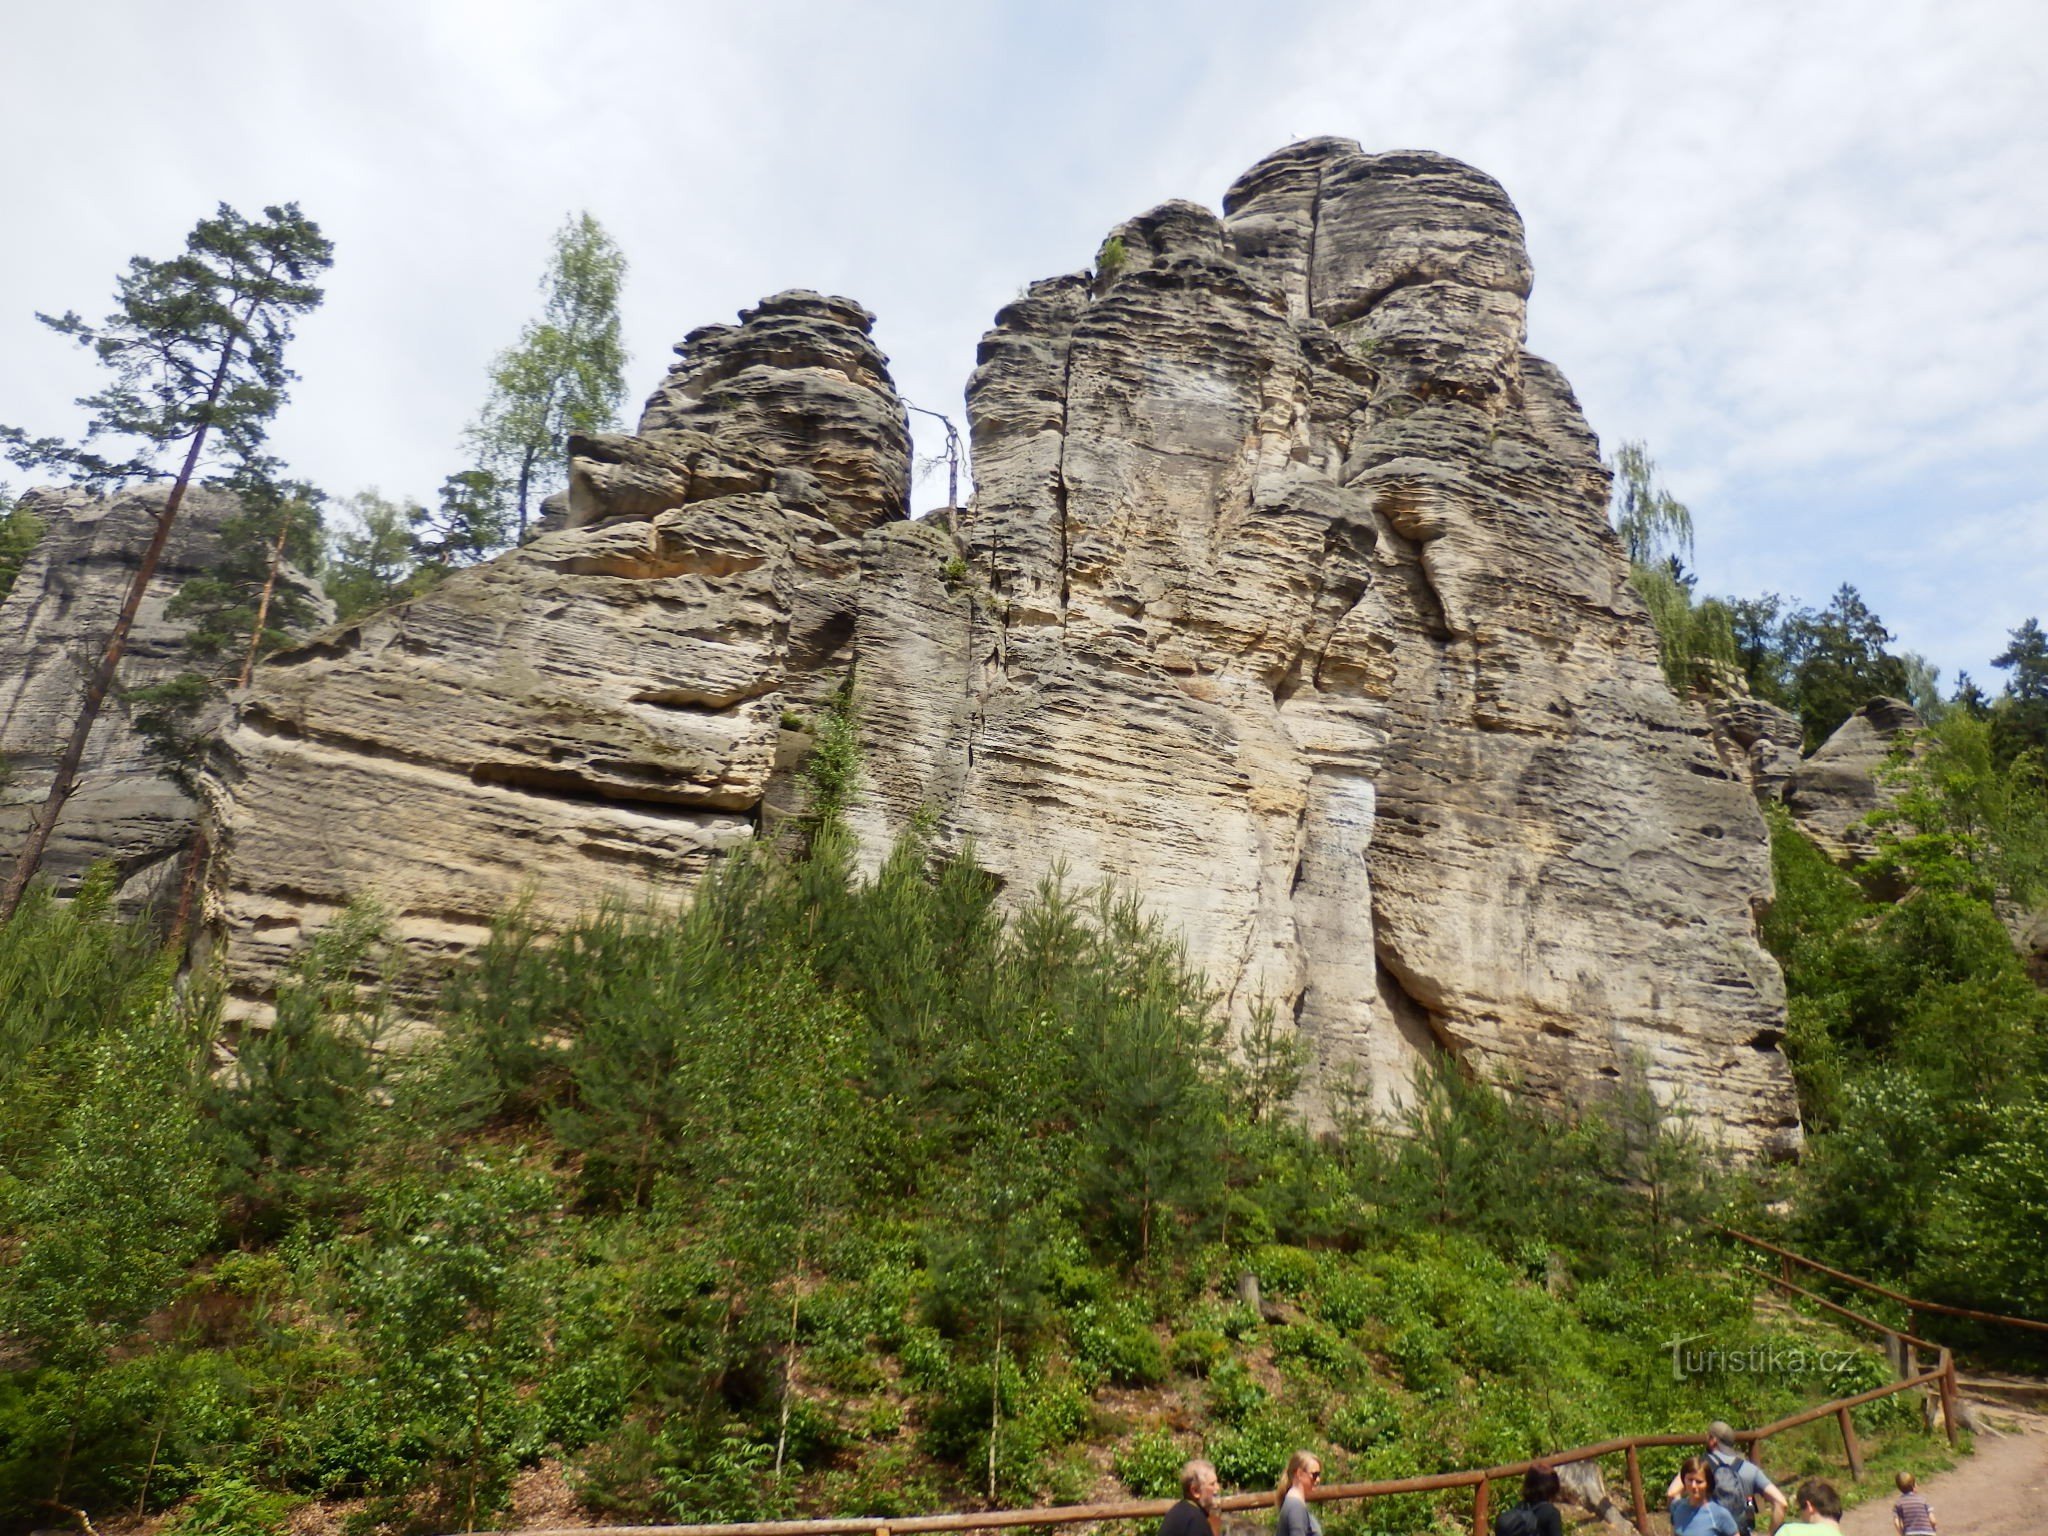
point(1354, 693)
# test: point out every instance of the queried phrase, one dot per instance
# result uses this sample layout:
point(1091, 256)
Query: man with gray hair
point(1196, 1513)
point(1734, 1481)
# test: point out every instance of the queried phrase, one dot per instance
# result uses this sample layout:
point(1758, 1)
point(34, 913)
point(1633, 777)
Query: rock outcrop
point(600, 711)
point(1290, 599)
point(1286, 595)
point(1759, 742)
point(53, 629)
point(1832, 793)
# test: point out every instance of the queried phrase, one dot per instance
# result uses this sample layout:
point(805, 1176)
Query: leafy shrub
point(1118, 1346)
point(1234, 1398)
point(1149, 1465)
point(1252, 1453)
point(229, 1505)
point(1284, 1271)
point(1197, 1351)
point(1365, 1416)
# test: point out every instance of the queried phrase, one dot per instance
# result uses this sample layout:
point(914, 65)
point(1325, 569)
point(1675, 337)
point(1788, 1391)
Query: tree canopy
point(565, 374)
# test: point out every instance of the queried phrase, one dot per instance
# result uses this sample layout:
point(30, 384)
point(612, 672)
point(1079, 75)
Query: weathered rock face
point(53, 629)
point(1286, 596)
point(1290, 599)
point(598, 711)
point(1759, 743)
point(1832, 792)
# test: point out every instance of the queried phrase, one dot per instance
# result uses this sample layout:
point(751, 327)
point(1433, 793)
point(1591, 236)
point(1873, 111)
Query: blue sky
point(1802, 251)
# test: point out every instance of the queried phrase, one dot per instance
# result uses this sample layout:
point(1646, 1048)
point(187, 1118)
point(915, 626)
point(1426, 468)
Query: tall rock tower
point(1286, 596)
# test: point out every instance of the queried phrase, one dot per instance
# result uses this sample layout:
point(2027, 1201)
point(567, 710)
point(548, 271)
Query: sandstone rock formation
point(1286, 595)
point(53, 627)
point(1831, 793)
point(1290, 599)
point(599, 711)
point(1759, 742)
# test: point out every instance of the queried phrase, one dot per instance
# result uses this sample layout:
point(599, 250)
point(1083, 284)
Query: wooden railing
point(1902, 1347)
point(1914, 1307)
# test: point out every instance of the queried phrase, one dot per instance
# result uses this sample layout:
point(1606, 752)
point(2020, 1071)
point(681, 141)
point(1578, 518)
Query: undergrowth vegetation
point(1919, 1040)
point(829, 1194)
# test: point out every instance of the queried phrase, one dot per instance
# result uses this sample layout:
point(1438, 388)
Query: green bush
point(229, 1505)
point(1149, 1465)
point(1118, 1346)
point(1198, 1351)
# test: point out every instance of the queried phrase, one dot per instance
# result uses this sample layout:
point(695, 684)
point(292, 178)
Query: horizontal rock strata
point(598, 712)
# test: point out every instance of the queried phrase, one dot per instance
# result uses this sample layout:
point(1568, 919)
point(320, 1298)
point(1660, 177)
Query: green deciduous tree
point(196, 345)
point(1695, 642)
point(370, 556)
point(565, 374)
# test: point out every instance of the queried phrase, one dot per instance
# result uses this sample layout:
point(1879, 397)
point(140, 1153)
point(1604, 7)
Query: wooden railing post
point(1635, 1491)
point(1948, 1395)
point(1481, 1497)
point(1849, 1446)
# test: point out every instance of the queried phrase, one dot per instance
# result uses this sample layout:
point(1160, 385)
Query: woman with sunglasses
point(1304, 1471)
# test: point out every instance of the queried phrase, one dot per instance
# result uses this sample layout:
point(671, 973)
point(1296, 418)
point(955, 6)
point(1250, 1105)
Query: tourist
point(1733, 1481)
point(1694, 1512)
point(1537, 1514)
point(1304, 1471)
point(1820, 1511)
point(1911, 1515)
point(1196, 1513)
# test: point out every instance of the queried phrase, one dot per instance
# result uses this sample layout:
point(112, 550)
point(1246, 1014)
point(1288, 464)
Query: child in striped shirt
point(1910, 1515)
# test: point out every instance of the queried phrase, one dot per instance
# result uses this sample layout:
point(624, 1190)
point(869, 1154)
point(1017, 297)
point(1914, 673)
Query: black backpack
point(1519, 1521)
point(1725, 1488)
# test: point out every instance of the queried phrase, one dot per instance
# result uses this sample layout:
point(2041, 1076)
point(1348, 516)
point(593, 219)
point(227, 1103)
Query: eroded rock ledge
point(1286, 595)
point(598, 712)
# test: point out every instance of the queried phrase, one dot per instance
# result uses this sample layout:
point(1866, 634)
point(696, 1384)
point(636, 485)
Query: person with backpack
point(1537, 1514)
point(1694, 1512)
point(1734, 1481)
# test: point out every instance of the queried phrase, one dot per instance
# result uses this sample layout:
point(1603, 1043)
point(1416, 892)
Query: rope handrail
point(1910, 1303)
point(1941, 1380)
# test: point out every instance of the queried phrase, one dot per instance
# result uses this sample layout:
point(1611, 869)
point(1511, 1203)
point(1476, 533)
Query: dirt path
point(2001, 1490)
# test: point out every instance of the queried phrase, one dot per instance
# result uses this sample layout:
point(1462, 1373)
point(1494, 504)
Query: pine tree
point(565, 374)
point(2019, 722)
point(1840, 662)
point(235, 612)
point(196, 345)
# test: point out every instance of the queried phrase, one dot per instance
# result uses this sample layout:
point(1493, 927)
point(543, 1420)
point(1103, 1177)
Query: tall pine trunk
point(110, 660)
point(263, 607)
